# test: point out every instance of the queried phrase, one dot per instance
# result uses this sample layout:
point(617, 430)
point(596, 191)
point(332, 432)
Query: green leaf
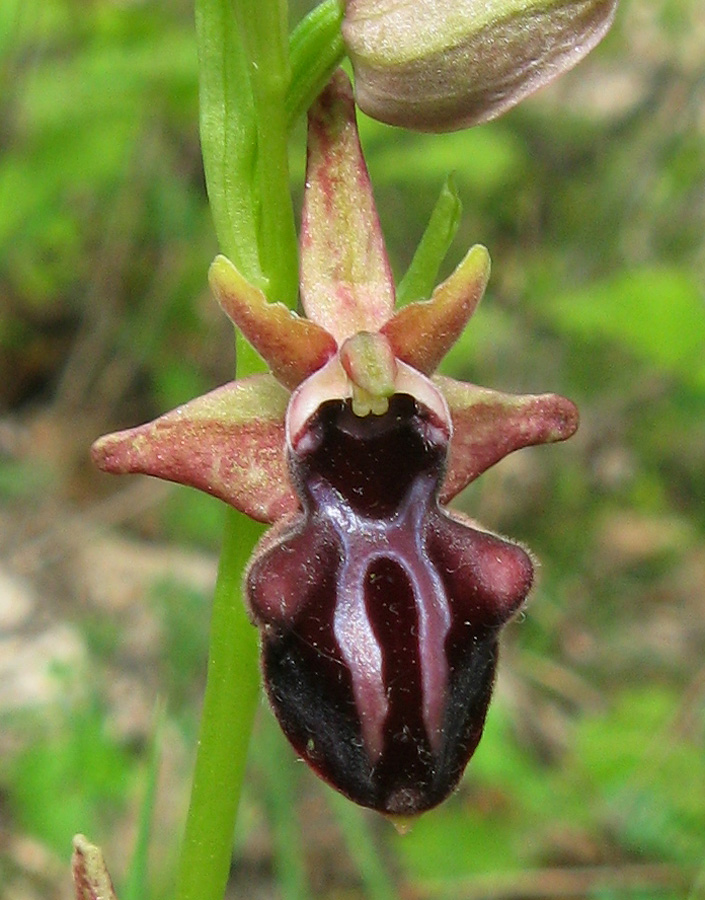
point(281, 775)
point(316, 48)
point(228, 133)
point(420, 277)
point(363, 848)
point(263, 29)
point(136, 886)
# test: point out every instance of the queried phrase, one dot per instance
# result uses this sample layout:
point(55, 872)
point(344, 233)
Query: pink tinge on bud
point(442, 65)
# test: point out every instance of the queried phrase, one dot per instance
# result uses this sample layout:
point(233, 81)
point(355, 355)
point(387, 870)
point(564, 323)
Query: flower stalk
point(243, 77)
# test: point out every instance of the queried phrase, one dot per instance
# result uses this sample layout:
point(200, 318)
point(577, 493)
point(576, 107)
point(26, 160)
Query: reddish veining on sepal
point(293, 347)
point(229, 443)
point(488, 425)
point(90, 875)
point(346, 281)
point(422, 333)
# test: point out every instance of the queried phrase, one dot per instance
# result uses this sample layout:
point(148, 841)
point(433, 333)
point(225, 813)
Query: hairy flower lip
point(379, 610)
point(341, 655)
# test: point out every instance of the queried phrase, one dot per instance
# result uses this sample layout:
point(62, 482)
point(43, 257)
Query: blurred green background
point(590, 780)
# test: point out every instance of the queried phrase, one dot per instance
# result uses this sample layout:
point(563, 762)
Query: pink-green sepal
point(90, 874)
point(422, 333)
point(228, 443)
point(293, 347)
point(346, 280)
point(488, 425)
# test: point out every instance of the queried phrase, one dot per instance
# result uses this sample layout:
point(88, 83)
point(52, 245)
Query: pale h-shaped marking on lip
point(365, 539)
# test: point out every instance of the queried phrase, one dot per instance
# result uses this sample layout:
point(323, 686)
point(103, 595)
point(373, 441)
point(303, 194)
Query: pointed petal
point(422, 333)
point(410, 381)
point(293, 347)
point(346, 282)
point(228, 443)
point(488, 425)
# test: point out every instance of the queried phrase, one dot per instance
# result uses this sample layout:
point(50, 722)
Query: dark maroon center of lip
point(380, 611)
point(371, 461)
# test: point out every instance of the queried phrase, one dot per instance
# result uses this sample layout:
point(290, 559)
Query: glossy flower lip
point(379, 609)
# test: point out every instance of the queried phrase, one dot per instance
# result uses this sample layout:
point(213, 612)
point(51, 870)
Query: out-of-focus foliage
point(71, 772)
point(591, 200)
point(102, 210)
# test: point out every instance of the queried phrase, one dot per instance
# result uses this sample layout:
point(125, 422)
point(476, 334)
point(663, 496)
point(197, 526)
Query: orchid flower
point(379, 609)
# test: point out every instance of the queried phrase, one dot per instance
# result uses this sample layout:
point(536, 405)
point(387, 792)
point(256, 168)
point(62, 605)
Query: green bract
point(441, 65)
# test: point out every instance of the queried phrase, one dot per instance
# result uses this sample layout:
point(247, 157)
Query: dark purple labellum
point(380, 612)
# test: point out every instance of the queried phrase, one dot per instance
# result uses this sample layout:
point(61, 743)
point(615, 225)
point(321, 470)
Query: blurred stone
point(16, 601)
point(627, 538)
point(31, 665)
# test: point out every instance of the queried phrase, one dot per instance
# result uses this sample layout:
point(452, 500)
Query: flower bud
point(441, 65)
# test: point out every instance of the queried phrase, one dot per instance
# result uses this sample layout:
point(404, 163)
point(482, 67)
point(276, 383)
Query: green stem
point(244, 78)
point(316, 48)
point(228, 133)
point(247, 98)
point(229, 706)
point(264, 28)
